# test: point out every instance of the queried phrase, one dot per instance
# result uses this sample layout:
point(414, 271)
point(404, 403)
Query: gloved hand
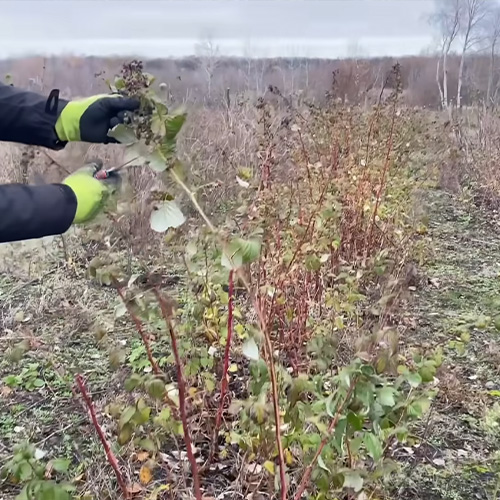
point(90, 119)
point(91, 194)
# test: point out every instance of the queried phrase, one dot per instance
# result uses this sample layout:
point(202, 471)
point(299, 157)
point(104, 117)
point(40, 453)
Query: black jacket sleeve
point(28, 212)
point(26, 118)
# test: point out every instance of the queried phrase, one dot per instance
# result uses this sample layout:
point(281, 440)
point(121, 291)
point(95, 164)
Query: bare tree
point(473, 13)
point(209, 54)
point(491, 29)
point(447, 19)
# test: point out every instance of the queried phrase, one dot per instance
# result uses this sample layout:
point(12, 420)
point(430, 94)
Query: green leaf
point(166, 215)
point(427, 371)
point(353, 479)
point(174, 123)
point(135, 154)
point(270, 467)
point(38, 382)
point(12, 380)
point(23, 495)
point(322, 464)
point(119, 83)
point(345, 377)
point(240, 252)
point(250, 349)
point(156, 389)
point(209, 381)
point(312, 263)
point(373, 445)
point(133, 382)
point(123, 134)
point(419, 407)
point(18, 351)
point(116, 358)
point(355, 421)
point(25, 471)
point(125, 434)
point(250, 250)
point(385, 396)
point(156, 161)
point(141, 416)
point(120, 310)
point(126, 416)
point(147, 444)
point(497, 323)
point(61, 464)
point(414, 379)
point(167, 148)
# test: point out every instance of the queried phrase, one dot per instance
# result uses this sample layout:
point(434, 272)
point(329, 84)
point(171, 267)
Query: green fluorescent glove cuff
point(90, 196)
point(68, 123)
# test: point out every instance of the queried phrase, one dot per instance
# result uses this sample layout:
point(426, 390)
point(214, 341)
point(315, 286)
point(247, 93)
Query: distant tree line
point(463, 70)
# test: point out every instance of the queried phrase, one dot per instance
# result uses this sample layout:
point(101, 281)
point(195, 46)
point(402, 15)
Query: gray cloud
point(325, 28)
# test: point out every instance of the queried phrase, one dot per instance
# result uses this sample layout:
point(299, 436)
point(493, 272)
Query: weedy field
point(285, 302)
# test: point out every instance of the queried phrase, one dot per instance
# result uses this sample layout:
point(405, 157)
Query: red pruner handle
point(101, 175)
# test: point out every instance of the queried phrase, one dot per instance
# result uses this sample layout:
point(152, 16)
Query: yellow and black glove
point(91, 194)
point(90, 119)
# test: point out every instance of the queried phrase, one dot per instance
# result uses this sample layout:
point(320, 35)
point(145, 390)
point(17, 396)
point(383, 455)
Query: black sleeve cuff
point(28, 212)
point(26, 118)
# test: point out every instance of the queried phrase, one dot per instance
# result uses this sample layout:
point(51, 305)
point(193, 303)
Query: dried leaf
point(145, 475)
point(134, 488)
point(142, 456)
point(5, 391)
point(242, 183)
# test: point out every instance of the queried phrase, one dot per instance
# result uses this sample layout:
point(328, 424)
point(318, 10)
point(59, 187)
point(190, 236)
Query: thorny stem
point(181, 384)
point(275, 391)
point(224, 380)
point(384, 175)
point(307, 474)
point(140, 329)
point(147, 345)
point(109, 454)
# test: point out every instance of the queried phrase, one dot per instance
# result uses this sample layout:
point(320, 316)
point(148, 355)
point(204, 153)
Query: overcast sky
point(162, 28)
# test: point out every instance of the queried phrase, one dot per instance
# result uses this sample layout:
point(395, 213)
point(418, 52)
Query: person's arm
point(28, 212)
point(30, 118)
point(24, 118)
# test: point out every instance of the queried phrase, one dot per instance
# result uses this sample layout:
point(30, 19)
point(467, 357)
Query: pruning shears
point(109, 174)
point(105, 173)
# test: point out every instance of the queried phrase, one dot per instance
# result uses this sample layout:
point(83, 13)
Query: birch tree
point(447, 19)
point(473, 13)
point(491, 29)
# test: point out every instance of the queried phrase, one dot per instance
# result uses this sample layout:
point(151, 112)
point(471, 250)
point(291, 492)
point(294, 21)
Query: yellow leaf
point(288, 457)
point(145, 475)
point(154, 494)
point(192, 392)
point(269, 466)
point(142, 456)
point(233, 368)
